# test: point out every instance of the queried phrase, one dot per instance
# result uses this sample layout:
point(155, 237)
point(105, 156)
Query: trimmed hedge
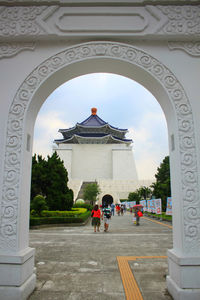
point(80, 218)
point(68, 213)
point(83, 205)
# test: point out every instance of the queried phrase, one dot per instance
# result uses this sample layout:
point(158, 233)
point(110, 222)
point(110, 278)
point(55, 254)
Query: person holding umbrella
point(137, 212)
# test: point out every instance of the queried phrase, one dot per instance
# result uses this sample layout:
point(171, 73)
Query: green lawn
point(163, 216)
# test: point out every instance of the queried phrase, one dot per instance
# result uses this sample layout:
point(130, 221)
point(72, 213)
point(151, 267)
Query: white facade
point(111, 165)
point(90, 162)
point(43, 46)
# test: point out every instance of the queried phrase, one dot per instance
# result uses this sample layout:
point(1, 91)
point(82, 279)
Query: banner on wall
point(148, 206)
point(130, 204)
point(144, 204)
point(169, 206)
point(158, 206)
point(152, 206)
point(126, 204)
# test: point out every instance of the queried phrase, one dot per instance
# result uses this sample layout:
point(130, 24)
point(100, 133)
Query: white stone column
point(17, 277)
point(183, 281)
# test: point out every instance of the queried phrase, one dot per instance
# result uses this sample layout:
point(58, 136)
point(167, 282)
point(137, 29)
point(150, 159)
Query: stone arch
point(107, 199)
point(121, 59)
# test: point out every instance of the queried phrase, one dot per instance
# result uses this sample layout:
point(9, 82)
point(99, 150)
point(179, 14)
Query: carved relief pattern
point(27, 21)
point(192, 48)
point(116, 51)
point(11, 49)
point(20, 20)
point(181, 19)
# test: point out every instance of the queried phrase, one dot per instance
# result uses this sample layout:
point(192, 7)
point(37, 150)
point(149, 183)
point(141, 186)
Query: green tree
point(144, 192)
point(91, 191)
point(49, 178)
point(39, 174)
point(38, 204)
point(134, 196)
point(162, 187)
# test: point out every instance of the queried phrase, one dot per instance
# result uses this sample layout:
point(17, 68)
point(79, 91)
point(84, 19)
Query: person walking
point(107, 216)
point(96, 217)
point(122, 209)
point(118, 209)
point(138, 214)
point(137, 217)
point(112, 209)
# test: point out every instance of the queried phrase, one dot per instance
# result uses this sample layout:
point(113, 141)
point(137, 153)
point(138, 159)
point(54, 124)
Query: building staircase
point(84, 184)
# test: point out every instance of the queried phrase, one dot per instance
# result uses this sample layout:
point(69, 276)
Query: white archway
point(131, 62)
point(107, 199)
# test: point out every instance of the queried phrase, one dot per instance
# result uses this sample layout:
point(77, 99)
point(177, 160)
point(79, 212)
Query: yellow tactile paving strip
point(131, 288)
point(169, 226)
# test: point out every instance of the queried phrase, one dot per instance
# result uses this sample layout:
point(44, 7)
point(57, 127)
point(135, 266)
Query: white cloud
point(150, 144)
point(46, 130)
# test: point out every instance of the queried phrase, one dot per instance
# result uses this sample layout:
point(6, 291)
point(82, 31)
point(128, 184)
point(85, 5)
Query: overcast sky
point(121, 102)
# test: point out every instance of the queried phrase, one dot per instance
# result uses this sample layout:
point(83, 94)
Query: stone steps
point(84, 184)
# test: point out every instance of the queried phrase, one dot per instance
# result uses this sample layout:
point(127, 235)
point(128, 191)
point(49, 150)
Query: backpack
point(107, 213)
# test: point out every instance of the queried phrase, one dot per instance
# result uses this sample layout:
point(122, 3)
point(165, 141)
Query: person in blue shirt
point(113, 209)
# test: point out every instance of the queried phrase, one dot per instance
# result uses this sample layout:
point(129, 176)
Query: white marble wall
point(90, 162)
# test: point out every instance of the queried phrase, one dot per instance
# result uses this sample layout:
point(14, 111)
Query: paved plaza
point(128, 262)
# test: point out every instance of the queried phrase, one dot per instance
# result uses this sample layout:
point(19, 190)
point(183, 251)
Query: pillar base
point(18, 292)
point(17, 278)
point(181, 294)
point(183, 282)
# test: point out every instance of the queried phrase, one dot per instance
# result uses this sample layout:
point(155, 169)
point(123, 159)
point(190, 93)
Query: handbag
point(140, 214)
point(92, 214)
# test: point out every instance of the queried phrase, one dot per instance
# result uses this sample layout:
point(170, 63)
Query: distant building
point(93, 150)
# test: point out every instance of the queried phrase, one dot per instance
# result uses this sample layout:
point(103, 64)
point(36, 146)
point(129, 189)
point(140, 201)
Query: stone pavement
point(73, 263)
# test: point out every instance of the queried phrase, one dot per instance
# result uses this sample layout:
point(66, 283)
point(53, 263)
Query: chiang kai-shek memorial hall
point(95, 151)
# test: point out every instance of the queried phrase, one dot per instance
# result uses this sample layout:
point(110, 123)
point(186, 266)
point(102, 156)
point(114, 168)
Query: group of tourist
point(97, 215)
point(105, 214)
point(120, 209)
